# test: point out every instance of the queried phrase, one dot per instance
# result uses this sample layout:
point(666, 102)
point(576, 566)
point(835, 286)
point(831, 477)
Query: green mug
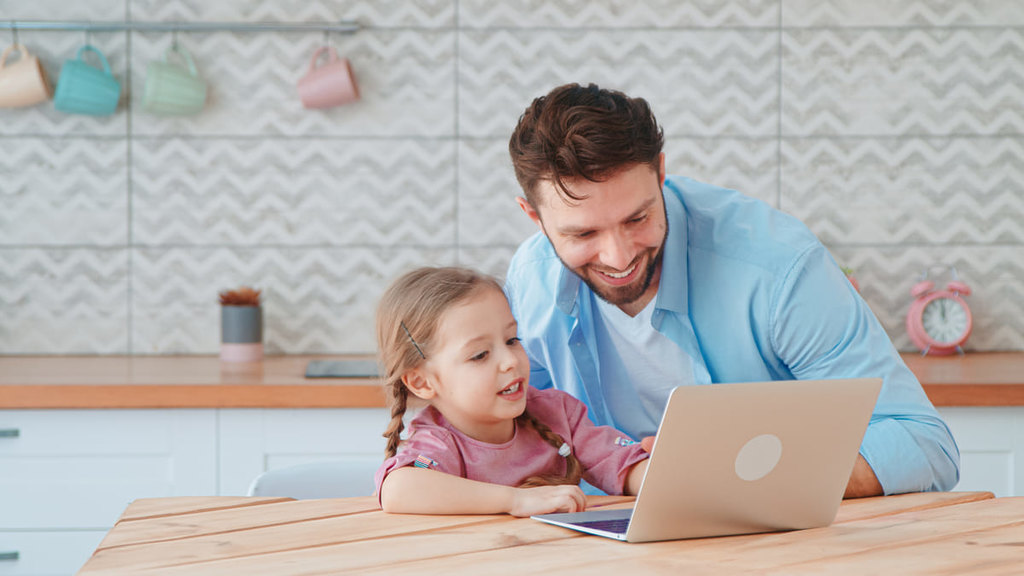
point(173, 89)
point(85, 89)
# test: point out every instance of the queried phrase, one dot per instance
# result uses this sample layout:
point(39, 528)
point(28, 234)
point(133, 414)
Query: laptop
point(742, 459)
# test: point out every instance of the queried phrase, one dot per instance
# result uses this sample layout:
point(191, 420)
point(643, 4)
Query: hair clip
point(413, 340)
point(564, 450)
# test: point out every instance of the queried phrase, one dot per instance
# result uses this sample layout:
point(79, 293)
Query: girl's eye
point(514, 340)
point(478, 357)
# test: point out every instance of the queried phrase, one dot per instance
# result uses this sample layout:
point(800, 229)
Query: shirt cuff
point(895, 458)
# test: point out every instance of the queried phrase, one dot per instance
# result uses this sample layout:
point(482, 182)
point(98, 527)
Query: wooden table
point(950, 533)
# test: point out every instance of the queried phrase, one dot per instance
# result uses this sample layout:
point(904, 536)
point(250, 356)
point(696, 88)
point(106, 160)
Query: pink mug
point(331, 84)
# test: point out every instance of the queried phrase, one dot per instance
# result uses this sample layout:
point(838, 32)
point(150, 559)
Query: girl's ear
point(419, 384)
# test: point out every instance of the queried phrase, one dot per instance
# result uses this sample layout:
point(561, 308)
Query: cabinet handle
point(9, 555)
point(9, 433)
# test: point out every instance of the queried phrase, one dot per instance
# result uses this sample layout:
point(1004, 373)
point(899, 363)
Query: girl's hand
point(547, 499)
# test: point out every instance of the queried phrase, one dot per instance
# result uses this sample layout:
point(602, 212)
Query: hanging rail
point(20, 25)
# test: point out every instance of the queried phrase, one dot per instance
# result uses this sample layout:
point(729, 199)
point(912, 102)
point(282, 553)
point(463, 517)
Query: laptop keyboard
point(615, 526)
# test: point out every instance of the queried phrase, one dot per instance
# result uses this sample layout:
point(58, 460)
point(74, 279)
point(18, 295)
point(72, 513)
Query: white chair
point(323, 479)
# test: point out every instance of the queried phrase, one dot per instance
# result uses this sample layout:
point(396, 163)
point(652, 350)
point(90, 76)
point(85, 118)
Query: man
point(637, 283)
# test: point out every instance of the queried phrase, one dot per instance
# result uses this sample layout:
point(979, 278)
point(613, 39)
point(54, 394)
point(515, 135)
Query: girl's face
point(477, 372)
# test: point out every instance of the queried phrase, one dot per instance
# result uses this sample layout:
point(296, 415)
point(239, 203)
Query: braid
point(573, 469)
point(399, 400)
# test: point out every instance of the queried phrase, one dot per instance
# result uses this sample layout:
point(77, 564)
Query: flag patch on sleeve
point(423, 462)
point(620, 441)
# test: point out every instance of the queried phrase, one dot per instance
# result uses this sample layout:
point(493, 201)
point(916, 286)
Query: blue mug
point(85, 89)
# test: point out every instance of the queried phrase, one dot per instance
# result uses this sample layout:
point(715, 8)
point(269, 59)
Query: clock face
point(945, 320)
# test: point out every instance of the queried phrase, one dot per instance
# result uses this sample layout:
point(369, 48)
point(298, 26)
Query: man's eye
point(638, 219)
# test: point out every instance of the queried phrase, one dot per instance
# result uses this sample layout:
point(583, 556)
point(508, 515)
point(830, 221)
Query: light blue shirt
point(753, 295)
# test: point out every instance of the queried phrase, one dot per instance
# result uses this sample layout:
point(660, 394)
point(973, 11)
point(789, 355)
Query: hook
point(174, 39)
point(14, 27)
point(327, 37)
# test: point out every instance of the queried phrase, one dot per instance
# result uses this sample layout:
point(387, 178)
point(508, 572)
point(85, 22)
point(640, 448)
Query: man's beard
point(622, 295)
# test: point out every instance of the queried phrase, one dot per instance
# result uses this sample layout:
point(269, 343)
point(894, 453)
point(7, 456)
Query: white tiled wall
point(892, 128)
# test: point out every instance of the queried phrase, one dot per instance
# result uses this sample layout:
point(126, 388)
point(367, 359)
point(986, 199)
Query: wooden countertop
point(27, 382)
point(176, 382)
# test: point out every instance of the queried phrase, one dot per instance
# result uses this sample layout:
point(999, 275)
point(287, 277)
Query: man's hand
point(863, 481)
point(548, 499)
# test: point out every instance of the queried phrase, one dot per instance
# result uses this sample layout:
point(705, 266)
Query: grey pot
point(241, 324)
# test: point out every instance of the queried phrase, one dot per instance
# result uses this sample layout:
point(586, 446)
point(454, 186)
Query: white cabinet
point(253, 441)
point(66, 476)
point(991, 442)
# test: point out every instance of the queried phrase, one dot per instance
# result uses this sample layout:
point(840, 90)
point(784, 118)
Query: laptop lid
point(750, 457)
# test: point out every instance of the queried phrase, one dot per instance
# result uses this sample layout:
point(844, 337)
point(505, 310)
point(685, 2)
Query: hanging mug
point(330, 84)
point(85, 89)
point(22, 83)
point(173, 89)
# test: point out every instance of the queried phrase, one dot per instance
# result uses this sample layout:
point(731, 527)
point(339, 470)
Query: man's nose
point(615, 251)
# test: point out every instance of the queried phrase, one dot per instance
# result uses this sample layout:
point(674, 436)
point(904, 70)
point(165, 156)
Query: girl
point(486, 442)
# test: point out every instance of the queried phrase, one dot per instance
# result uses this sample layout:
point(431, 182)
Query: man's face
point(613, 238)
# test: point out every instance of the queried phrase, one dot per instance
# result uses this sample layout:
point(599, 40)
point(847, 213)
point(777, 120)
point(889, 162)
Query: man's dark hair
point(579, 132)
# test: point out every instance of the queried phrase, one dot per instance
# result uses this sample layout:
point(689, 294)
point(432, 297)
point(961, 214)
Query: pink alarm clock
point(939, 321)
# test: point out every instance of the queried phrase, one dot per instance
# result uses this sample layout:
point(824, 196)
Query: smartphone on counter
point(341, 369)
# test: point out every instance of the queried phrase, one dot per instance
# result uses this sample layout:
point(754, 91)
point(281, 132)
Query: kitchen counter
point(176, 382)
point(34, 382)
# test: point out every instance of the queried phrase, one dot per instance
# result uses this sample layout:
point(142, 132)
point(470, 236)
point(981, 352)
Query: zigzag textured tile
point(102, 10)
point(617, 13)
point(377, 13)
point(293, 192)
point(63, 301)
point(63, 191)
point(923, 13)
point(491, 260)
point(899, 191)
point(53, 49)
point(886, 275)
point(749, 166)
point(712, 83)
point(904, 82)
point(488, 213)
point(314, 300)
point(405, 78)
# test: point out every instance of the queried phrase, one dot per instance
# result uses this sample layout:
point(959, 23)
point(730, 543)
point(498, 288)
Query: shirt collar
point(673, 265)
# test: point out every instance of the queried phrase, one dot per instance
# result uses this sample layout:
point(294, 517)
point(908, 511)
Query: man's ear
point(661, 169)
point(419, 384)
point(530, 212)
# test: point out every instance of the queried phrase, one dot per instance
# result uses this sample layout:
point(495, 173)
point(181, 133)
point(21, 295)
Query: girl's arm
point(635, 477)
point(411, 490)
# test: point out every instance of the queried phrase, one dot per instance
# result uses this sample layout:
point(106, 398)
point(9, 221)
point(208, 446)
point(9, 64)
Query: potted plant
point(849, 276)
point(241, 325)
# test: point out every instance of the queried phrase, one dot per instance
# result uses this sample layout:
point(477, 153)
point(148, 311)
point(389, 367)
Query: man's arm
point(823, 329)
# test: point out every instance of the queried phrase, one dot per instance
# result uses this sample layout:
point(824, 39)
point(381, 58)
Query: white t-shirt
point(638, 365)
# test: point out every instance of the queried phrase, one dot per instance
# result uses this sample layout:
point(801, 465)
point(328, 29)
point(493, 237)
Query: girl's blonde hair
point(407, 319)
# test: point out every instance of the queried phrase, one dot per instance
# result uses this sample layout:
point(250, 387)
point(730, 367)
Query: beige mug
point(24, 82)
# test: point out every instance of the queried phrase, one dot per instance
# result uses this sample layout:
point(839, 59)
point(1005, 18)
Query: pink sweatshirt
point(604, 453)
